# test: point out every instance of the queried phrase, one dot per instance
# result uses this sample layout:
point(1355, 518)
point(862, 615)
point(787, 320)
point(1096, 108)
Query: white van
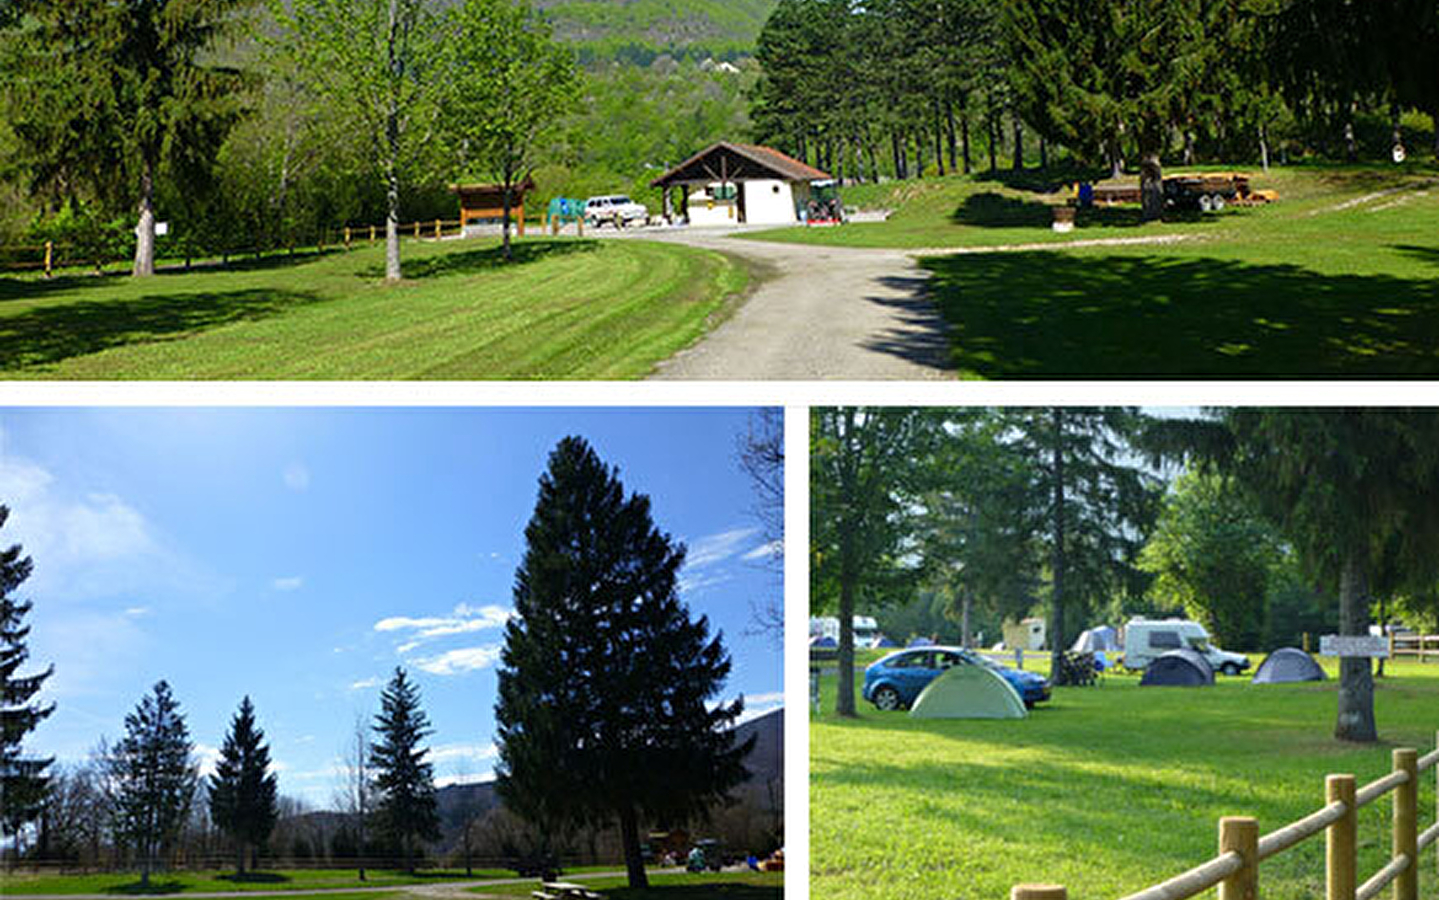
point(1144, 639)
point(866, 630)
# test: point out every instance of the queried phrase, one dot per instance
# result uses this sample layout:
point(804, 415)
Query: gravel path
point(818, 313)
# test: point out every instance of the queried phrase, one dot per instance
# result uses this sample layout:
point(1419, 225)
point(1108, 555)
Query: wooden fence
point(1422, 647)
point(1235, 871)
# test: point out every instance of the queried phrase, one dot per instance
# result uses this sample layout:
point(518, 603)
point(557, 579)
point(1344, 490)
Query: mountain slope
point(720, 25)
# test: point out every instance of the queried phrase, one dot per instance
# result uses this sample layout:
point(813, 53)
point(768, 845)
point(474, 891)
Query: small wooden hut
point(486, 203)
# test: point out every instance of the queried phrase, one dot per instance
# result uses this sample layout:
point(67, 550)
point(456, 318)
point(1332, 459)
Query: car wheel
point(1229, 669)
point(886, 699)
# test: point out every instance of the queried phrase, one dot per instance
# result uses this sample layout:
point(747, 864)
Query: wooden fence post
point(347, 237)
point(1341, 846)
point(1038, 892)
point(1406, 824)
point(417, 228)
point(437, 229)
point(49, 259)
point(372, 234)
point(1240, 834)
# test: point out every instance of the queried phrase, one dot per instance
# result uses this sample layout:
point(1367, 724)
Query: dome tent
point(1096, 640)
point(920, 642)
point(1288, 664)
point(822, 642)
point(1178, 668)
point(969, 692)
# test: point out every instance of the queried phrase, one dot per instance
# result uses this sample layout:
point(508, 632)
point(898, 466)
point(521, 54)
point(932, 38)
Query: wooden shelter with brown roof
point(485, 202)
point(734, 184)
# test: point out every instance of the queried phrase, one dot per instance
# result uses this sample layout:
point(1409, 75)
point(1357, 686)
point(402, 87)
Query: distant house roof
point(738, 162)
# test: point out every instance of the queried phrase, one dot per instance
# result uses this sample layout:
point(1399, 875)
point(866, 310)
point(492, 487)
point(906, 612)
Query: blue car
point(896, 680)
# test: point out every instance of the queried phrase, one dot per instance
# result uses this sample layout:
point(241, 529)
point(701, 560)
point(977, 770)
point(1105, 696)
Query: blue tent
point(819, 642)
point(921, 642)
point(885, 642)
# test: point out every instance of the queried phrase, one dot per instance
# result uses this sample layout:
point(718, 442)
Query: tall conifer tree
point(405, 810)
point(606, 683)
point(23, 782)
point(155, 777)
point(243, 789)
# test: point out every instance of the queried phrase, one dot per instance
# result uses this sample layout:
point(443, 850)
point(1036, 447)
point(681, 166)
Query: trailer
point(1206, 193)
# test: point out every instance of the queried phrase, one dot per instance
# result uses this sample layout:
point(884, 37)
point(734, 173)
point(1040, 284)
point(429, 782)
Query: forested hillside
point(637, 30)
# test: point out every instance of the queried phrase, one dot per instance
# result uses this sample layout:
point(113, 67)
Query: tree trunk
point(1355, 720)
point(145, 228)
point(938, 139)
point(844, 690)
point(1151, 185)
point(919, 154)
point(392, 159)
point(1043, 153)
point(505, 219)
point(950, 134)
point(1056, 597)
point(964, 608)
point(993, 144)
point(898, 151)
point(1018, 145)
point(964, 141)
point(1351, 144)
point(1434, 114)
point(630, 837)
point(1116, 158)
point(1264, 147)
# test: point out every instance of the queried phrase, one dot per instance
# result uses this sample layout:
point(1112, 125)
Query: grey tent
point(1096, 640)
point(820, 642)
point(885, 642)
point(1178, 668)
point(969, 692)
point(1288, 664)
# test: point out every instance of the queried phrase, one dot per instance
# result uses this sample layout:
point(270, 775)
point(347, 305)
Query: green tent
point(969, 692)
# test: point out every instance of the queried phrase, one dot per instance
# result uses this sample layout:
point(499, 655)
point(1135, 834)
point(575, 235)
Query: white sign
point(1354, 646)
point(1398, 153)
point(162, 229)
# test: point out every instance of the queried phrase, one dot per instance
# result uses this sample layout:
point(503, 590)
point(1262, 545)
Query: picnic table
point(564, 890)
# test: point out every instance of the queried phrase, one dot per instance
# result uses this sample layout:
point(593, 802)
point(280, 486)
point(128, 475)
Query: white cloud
point(717, 548)
point(464, 619)
point(136, 612)
point(765, 551)
point(455, 662)
point(771, 699)
point(290, 583)
point(296, 477)
point(464, 753)
point(365, 684)
point(208, 757)
point(697, 582)
point(448, 780)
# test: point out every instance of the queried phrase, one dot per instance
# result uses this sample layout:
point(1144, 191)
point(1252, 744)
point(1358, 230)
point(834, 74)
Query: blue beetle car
point(896, 680)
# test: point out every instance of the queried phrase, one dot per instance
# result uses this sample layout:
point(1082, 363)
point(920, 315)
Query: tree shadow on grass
point(473, 262)
point(36, 288)
point(703, 891)
point(256, 878)
point(1048, 314)
point(155, 887)
point(55, 333)
point(1423, 254)
point(995, 210)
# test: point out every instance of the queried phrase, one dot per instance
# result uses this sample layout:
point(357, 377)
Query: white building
point(740, 184)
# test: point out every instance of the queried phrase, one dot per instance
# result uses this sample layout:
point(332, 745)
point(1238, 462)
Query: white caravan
point(1145, 639)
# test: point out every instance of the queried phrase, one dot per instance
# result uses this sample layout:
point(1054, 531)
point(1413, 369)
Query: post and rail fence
point(1235, 870)
point(1422, 647)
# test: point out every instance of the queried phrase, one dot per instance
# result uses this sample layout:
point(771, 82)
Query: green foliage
point(242, 788)
point(1213, 555)
point(404, 781)
point(24, 783)
point(606, 683)
point(640, 28)
point(154, 777)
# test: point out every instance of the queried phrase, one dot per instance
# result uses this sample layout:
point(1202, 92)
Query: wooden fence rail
point(1420, 646)
point(1235, 870)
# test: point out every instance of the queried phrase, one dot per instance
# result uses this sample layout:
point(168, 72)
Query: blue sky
point(299, 555)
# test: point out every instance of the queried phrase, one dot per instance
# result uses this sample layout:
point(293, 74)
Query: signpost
point(1357, 646)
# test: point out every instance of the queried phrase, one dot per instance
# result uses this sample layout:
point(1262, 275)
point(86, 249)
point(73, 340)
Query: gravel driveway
point(819, 313)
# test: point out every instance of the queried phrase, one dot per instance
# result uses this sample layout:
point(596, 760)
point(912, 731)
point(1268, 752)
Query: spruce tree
point(242, 789)
point(405, 809)
point(154, 777)
point(606, 683)
point(23, 781)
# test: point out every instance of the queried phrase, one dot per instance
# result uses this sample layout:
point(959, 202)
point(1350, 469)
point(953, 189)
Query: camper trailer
point(1146, 639)
point(866, 630)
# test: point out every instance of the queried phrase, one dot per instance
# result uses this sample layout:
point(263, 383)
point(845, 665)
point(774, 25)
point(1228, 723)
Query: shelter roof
point(738, 162)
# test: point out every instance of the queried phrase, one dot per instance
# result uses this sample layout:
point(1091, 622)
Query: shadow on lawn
point(471, 262)
point(256, 878)
point(52, 334)
point(720, 890)
point(154, 888)
point(994, 210)
point(1046, 314)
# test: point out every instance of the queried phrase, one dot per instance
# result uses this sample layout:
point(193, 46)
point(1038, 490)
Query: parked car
point(616, 209)
point(896, 680)
point(1146, 639)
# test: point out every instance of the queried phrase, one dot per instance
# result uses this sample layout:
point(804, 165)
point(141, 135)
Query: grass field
point(1339, 279)
point(567, 310)
point(1106, 790)
point(704, 886)
point(337, 880)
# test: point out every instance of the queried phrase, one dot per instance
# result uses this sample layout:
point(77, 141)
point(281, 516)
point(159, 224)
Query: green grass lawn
point(567, 310)
point(1307, 287)
point(683, 886)
point(337, 880)
point(1106, 790)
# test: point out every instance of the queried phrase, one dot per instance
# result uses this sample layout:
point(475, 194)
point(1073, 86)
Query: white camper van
point(1144, 639)
point(866, 630)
